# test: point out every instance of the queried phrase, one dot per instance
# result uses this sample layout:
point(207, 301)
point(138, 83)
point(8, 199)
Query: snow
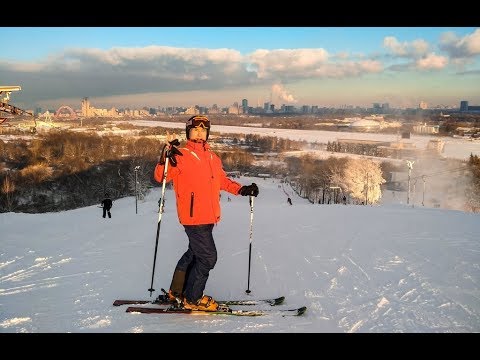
point(359, 269)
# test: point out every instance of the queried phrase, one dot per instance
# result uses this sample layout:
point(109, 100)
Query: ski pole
point(160, 212)
point(248, 291)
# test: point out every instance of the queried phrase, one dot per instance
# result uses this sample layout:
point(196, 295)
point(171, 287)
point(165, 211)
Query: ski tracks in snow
point(393, 292)
point(37, 270)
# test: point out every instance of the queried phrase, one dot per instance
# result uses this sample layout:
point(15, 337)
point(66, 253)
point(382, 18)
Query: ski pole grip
point(174, 142)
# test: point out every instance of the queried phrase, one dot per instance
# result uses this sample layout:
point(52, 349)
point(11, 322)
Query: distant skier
point(289, 201)
point(107, 205)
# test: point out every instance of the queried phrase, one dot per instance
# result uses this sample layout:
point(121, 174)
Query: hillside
point(368, 269)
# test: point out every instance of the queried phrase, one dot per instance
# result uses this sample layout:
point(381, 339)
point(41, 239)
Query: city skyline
point(325, 67)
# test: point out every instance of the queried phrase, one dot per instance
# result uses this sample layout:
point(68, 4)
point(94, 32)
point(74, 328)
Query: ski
point(162, 300)
point(175, 310)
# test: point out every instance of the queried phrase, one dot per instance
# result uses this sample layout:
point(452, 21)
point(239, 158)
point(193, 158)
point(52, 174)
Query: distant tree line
point(353, 148)
point(64, 170)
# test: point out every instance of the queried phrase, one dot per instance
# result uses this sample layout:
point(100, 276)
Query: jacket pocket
point(192, 198)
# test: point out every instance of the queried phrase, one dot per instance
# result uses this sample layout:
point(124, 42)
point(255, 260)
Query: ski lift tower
point(410, 167)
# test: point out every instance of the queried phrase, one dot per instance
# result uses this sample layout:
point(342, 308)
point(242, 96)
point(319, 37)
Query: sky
point(187, 66)
point(388, 268)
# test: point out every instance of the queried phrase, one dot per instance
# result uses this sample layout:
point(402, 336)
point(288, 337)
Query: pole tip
point(248, 291)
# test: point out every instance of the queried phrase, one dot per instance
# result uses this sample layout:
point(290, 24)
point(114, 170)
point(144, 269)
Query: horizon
point(325, 67)
point(298, 108)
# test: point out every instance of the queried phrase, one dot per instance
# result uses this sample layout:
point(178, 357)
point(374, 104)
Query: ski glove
point(170, 151)
point(251, 190)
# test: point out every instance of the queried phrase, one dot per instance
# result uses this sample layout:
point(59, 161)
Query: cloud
point(414, 49)
point(417, 51)
point(306, 64)
point(465, 47)
point(280, 63)
point(432, 61)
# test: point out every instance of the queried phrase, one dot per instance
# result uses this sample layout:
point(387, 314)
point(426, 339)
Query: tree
point(8, 187)
point(472, 190)
point(362, 179)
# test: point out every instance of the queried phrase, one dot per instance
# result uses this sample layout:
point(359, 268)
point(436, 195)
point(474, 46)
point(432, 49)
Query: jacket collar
point(197, 146)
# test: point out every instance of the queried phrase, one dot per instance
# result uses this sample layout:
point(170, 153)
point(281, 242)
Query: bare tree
point(8, 187)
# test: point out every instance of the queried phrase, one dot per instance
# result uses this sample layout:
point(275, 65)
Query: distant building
point(245, 106)
point(365, 125)
point(86, 112)
point(233, 109)
point(192, 111)
point(464, 107)
point(423, 105)
point(436, 145)
point(426, 129)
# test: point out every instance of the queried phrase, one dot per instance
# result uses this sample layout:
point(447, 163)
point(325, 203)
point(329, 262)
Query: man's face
point(198, 133)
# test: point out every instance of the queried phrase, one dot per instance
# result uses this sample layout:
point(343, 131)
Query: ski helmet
point(196, 121)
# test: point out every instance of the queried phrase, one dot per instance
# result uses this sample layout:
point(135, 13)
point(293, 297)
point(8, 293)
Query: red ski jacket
point(197, 181)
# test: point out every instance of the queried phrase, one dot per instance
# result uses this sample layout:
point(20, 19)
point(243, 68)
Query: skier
point(107, 205)
point(198, 176)
point(289, 201)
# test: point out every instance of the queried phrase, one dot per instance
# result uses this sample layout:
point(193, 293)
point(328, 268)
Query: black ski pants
point(198, 260)
point(105, 211)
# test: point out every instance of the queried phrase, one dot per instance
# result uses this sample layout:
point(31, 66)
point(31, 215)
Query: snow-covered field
point(358, 269)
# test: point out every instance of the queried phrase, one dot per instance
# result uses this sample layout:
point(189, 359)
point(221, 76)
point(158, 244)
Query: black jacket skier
point(107, 205)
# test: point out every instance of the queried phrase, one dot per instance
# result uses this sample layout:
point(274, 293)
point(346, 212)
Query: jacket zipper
point(192, 196)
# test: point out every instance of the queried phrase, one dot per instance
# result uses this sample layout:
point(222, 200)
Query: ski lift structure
point(8, 111)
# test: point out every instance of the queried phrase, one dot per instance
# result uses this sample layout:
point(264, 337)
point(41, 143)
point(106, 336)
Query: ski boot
point(205, 303)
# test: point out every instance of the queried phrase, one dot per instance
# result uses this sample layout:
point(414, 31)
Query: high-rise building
point(86, 111)
point(266, 106)
point(305, 109)
point(463, 105)
point(245, 106)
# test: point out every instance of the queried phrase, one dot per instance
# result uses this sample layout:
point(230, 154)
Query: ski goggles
point(199, 121)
